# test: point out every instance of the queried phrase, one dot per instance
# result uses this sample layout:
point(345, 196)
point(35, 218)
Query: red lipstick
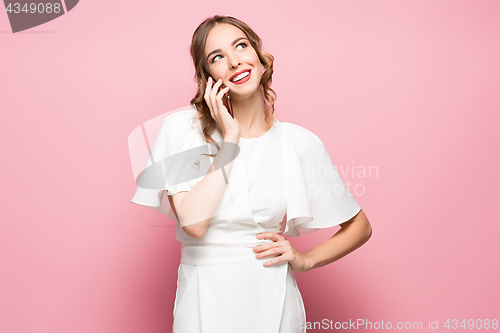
point(245, 79)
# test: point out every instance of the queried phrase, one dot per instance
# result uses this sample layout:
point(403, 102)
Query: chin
point(245, 95)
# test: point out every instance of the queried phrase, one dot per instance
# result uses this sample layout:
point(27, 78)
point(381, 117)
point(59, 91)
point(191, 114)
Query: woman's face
point(228, 52)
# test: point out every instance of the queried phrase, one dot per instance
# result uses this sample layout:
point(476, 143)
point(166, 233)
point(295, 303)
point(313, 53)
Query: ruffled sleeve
point(173, 164)
point(316, 195)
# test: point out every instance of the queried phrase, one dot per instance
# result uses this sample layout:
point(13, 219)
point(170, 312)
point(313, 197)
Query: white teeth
point(241, 76)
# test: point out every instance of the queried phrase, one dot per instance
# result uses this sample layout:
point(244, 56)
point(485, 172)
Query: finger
point(264, 247)
point(208, 89)
point(269, 252)
point(285, 256)
point(222, 92)
point(213, 100)
point(262, 235)
point(220, 103)
point(218, 83)
point(268, 235)
point(215, 88)
point(273, 261)
point(210, 102)
point(282, 246)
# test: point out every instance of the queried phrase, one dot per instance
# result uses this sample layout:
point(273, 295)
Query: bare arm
point(353, 233)
point(195, 209)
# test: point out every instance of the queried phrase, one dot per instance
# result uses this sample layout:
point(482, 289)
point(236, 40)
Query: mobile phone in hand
point(226, 99)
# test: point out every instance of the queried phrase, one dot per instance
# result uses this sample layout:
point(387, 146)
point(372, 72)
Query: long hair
point(197, 53)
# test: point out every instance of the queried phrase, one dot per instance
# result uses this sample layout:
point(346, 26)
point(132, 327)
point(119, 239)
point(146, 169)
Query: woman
point(231, 201)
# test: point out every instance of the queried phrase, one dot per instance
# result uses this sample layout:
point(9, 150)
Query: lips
point(236, 74)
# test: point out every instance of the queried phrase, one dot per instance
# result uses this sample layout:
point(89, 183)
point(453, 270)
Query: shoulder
point(302, 137)
point(181, 122)
point(310, 150)
point(308, 145)
point(181, 116)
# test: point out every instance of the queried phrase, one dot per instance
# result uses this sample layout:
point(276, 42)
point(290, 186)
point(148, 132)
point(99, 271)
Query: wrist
point(308, 262)
point(234, 138)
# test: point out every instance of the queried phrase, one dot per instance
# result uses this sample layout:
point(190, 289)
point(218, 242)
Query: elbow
point(193, 233)
point(195, 230)
point(365, 226)
point(368, 231)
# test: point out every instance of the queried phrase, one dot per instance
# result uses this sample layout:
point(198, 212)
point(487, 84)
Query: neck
point(250, 113)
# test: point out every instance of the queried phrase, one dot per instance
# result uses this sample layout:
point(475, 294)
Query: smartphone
point(226, 99)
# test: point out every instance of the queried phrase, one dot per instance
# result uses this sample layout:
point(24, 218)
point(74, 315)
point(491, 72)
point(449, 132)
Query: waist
point(211, 255)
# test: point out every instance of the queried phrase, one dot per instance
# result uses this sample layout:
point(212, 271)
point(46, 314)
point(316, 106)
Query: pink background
point(407, 87)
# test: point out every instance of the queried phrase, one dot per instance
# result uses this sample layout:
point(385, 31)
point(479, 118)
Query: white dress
point(284, 176)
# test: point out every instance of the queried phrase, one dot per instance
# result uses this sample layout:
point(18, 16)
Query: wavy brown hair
point(201, 75)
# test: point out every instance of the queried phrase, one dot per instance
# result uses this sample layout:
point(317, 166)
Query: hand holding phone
point(226, 100)
point(213, 97)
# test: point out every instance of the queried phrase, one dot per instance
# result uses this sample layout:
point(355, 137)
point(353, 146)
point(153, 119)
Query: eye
point(214, 58)
point(245, 44)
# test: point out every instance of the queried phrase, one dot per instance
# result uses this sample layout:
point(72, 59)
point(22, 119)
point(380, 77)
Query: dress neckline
point(263, 135)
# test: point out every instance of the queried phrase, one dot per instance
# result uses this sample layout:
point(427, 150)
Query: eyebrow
point(219, 50)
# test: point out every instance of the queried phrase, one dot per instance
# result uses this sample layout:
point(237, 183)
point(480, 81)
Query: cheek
point(217, 72)
point(255, 61)
point(252, 58)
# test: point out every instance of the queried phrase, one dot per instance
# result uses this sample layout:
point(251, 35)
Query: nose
point(233, 61)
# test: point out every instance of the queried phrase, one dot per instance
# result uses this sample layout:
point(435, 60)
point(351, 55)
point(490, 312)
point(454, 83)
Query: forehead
point(221, 35)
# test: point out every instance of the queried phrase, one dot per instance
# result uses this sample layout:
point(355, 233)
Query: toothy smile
point(240, 76)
